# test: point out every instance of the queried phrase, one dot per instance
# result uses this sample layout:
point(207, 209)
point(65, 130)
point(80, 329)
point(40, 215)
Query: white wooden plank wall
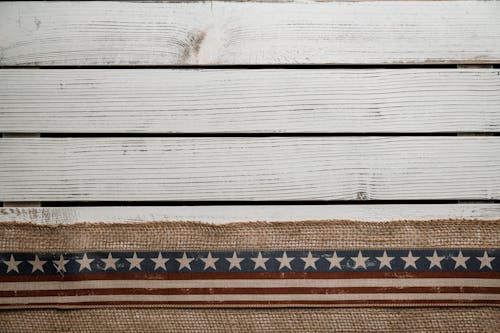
point(269, 168)
point(250, 100)
point(377, 123)
point(238, 213)
point(215, 32)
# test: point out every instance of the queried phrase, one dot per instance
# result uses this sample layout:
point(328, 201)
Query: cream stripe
point(249, 283)
point(247, 297)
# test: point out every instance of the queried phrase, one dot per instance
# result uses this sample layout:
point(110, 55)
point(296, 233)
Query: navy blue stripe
point(322, 264)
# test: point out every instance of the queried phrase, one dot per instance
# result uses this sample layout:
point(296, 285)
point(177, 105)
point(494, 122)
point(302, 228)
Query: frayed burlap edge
point(194, 236)
point(452, 320)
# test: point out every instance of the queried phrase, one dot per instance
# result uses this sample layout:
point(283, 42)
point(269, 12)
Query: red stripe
point(207, 291)
point(246, 275)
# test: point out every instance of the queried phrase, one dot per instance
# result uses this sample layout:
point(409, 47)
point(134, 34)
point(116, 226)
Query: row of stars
point(260, 262)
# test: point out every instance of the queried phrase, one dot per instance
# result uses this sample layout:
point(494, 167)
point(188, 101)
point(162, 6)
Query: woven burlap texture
point(194, 236)
point(436, 320)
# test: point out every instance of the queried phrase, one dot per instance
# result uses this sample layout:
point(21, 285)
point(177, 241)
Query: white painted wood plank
point(238, 213)
point(214, 32)
point(249, 101)
point(246, 168)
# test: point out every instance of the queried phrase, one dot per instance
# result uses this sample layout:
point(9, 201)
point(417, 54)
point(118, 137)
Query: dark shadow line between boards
point(259, 203)
point(259, 66)
point(258, 135)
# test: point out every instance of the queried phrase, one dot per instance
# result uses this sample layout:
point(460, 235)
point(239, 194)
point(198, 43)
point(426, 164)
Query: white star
point(37, 264)
point(335, 261)
point(85, 262)
point(12, 264)
point(284, 261)
point(360, 261)
point(260, 261)
point(209, 261)
point(234, 261)
point(485, 260)
point(160, 262)
point(435, 260)
point(184, 261)
point(460, 260)
point(135, 262)
point(310, 261)
point(60, 264)
point(410, 260)
point(385, 260)
point(110, 262)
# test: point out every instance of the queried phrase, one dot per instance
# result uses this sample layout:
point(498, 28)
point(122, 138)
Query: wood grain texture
point(123, 33)
point(249, 101)
point(238, 213)
point(246, 168)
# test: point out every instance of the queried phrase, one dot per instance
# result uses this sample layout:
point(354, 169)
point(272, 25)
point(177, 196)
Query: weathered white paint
point(238, 213)
point(246, 101)
point(249, 168)
point(214, 32)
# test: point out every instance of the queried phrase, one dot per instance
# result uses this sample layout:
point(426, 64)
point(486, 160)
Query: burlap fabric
point(249, 236)
point(436, 320)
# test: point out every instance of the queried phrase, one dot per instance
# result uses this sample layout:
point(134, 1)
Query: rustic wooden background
point(225, 111)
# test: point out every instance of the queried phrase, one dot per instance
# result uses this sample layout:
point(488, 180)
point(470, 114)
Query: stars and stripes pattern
point(251, 278)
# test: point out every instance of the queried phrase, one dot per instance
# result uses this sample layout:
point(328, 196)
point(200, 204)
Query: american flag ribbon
point(332, 277)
